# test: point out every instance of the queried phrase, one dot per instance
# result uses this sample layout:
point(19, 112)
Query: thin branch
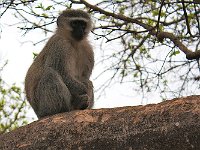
point(186, 18)
point(159, 15)
point(197, 18)
point(11, 2)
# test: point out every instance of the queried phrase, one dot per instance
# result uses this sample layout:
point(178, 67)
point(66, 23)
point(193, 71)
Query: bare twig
point(11, 2)
point(186, 18)
point(159, 15)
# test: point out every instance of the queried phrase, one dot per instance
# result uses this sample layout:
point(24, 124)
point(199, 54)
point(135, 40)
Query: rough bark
point(170, 125)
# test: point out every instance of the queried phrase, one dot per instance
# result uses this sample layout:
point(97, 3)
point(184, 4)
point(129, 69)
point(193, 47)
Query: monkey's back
point(36, 70)
point(34, 74)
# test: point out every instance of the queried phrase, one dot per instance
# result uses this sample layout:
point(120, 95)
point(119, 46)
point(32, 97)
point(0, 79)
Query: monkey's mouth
point(78, 35)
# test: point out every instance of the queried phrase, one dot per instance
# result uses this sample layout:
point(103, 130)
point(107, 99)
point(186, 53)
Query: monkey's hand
point(88, 84)
point(90, 92)
point(80, 102)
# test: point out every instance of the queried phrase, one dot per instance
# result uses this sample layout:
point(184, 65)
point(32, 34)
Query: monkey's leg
point(80, 102)
point(52, 94)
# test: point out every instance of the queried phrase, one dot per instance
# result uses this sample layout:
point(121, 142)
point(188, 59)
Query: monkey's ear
point(60, 21)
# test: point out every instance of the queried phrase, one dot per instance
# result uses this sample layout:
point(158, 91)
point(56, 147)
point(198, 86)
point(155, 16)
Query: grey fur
point(58, 80)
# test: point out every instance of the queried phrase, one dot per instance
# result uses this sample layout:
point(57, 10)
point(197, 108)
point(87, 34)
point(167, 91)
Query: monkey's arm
point(72, 84)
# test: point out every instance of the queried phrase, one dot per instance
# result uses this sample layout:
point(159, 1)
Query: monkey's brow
point(76, 14)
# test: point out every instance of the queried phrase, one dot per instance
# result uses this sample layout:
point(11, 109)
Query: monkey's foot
point(81, 102)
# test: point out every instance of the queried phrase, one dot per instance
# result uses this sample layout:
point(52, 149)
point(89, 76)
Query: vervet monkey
point(58, 80)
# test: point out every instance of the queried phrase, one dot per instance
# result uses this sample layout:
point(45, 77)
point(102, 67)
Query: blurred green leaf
point(174, 53)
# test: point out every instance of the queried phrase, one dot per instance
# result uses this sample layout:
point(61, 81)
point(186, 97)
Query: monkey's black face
point(78, 29)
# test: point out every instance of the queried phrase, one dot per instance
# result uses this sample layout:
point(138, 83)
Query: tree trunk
point(170, 125)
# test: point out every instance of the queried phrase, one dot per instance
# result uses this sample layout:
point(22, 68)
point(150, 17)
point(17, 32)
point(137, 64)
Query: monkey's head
point(76, 24)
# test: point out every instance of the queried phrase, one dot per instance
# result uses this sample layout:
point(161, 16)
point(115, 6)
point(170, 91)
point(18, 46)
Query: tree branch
point(170, 125)
point(189, 54)
point(161, 35)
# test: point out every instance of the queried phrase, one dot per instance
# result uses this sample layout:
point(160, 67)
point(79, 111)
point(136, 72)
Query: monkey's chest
point(82, 66)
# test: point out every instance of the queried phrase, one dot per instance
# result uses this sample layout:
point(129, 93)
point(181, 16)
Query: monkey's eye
point(78, 23)
point(74, 23)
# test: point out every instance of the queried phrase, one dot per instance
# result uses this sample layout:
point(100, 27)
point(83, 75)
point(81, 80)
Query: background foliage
point(13, 107)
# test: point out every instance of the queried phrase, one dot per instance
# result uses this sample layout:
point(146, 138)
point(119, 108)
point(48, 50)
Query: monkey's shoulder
point(57, 41)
